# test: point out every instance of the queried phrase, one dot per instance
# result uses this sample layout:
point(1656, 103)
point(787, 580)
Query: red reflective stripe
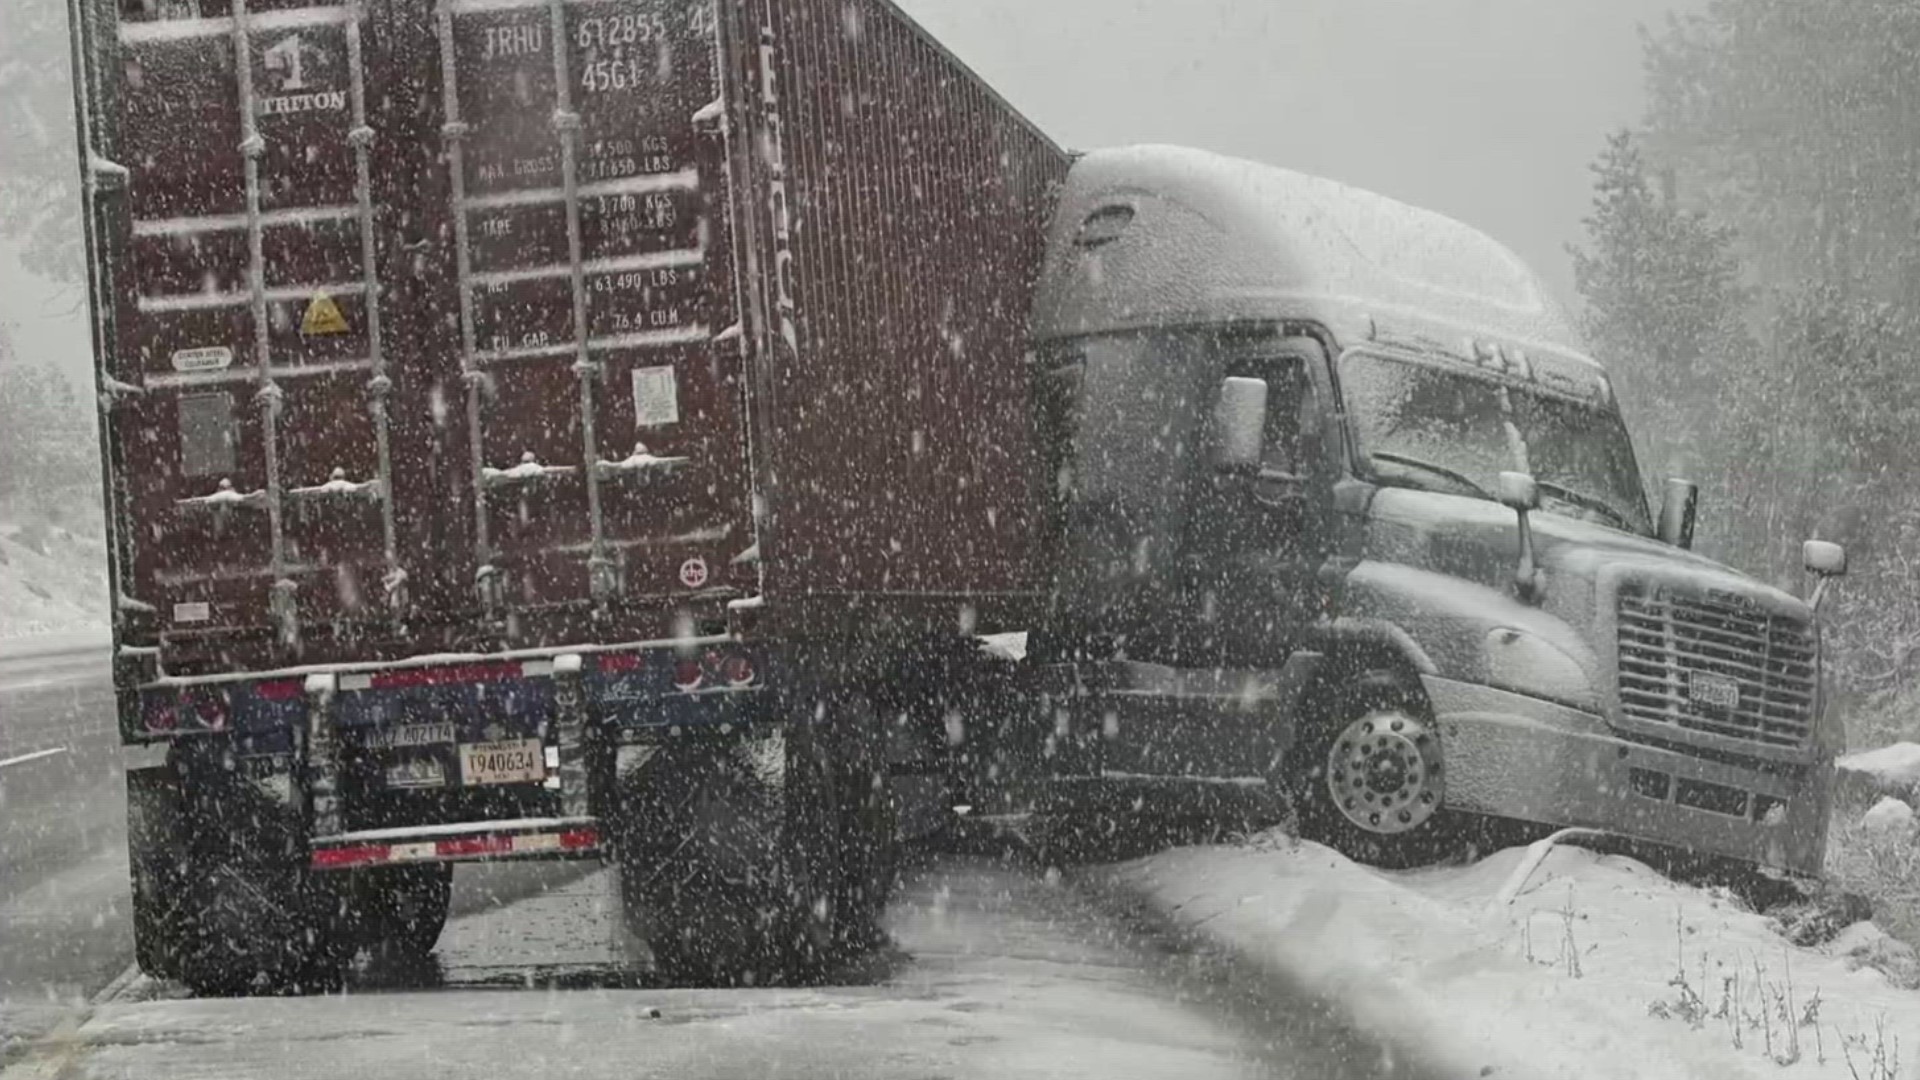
point(279, 689)
point(462, 846)
point(446, 676)
point(336, 858)
point(614, 663)
point(457, 847)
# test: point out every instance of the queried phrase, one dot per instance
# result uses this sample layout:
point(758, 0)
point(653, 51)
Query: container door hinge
point(572, 776)
point(322, 766)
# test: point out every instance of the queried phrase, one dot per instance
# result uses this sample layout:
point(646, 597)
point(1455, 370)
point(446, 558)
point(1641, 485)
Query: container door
point(585, 201)
point(254, 432)
point(409, 314)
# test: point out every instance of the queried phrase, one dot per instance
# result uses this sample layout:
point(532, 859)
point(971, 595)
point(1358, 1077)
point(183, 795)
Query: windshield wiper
point(1590, 502)
point(1438, 470)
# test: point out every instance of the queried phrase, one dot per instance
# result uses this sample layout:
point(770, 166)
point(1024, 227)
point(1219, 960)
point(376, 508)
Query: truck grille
point(1719, 667)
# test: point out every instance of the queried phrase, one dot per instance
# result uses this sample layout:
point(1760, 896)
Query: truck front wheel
point(1366, 773)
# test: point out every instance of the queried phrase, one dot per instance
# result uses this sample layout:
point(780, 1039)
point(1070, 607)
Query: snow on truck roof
point(1157, 235)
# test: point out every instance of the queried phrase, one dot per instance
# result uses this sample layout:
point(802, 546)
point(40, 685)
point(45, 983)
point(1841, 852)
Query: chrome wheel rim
point(1384, 772)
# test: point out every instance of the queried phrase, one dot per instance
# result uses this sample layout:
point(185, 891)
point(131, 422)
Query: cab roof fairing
point(1203, 238)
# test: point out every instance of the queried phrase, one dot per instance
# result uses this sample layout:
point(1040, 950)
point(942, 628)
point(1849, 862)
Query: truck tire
point(864, 824)
point(698, 836)
point(1365, 774)
point(399, 912)
point(222, 898)
point(761, 862)
point(157, 861)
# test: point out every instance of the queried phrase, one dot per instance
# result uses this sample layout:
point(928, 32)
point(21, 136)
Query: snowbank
point(1599, 968)
point(1891, 770)
point(51, 581)
point(1889, 818)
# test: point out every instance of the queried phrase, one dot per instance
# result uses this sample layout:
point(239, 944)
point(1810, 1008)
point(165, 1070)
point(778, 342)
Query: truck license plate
point(514, 761)
point(1713, 691)
point(410, 735)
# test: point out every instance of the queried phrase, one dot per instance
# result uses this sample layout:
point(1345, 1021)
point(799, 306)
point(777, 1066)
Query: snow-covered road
point(997, 973)
point(63, 865)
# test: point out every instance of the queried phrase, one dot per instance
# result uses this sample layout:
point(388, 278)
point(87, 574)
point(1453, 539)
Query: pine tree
point(39, 174)
point(1663, 298)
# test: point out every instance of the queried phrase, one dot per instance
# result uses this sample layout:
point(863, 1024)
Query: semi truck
point(610, 429)
point(1348, 512)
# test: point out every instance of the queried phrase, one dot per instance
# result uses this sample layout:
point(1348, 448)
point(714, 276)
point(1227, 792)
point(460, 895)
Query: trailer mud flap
point(155, 854)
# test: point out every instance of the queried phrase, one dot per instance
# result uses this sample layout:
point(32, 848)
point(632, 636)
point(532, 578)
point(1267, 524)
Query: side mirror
point(1678, 511)
point(1519, 493)
point(1240, 425)
point(1825, 561)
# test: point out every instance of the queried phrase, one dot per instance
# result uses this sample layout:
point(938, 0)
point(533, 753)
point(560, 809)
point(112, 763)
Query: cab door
point(1261, 529)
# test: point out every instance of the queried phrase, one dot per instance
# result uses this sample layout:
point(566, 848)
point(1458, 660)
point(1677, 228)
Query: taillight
point(738, 671)
point(688, 675)
point(211, 711)
point(161, 716)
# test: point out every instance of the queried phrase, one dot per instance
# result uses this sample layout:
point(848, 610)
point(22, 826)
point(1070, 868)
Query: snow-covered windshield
point(1457, 430)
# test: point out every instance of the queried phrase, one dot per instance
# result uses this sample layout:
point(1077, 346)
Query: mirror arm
point(1526, 576)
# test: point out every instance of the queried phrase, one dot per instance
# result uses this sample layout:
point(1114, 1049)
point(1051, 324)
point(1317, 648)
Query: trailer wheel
point(1366, 774)
point(867, 830)
point(222, 898)
point(698, 834)
point(157, 861)
point(840, 838)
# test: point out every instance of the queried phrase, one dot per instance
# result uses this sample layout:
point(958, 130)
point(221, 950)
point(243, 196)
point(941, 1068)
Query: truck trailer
point(544, 429)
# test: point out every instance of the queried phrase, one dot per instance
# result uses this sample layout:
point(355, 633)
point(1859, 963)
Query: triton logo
point(774, 152)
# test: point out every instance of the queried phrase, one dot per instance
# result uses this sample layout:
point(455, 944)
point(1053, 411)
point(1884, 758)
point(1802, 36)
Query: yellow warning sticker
point(322, 317)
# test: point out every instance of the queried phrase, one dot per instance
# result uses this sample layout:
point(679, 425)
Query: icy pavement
point(63, 863)
point(1599, 967)
point(998, 974)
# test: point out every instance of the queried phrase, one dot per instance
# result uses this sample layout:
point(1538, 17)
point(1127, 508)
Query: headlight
point(1530, 665)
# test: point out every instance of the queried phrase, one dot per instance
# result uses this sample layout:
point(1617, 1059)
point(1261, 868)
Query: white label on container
point(209, 358)
point(200, 612)
point(656, 397)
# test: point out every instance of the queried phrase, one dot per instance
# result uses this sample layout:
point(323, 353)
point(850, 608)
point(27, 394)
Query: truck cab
point(1345, 510)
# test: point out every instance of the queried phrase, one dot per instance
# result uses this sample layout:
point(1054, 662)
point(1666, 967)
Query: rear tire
point(223, 901)
point(761, 862)
point(698, 835)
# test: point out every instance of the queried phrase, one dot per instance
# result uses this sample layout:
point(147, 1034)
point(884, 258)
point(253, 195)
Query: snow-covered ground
point(999, 974)
point(1598, 967)
point(1889, 770)
point(51, 581)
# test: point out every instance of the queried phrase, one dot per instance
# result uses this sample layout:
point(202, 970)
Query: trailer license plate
point(423, 772)
point(515, 761)
point(410, 735)
point(1713, 691)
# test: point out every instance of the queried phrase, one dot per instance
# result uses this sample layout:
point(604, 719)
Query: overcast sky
point(1486, 110)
